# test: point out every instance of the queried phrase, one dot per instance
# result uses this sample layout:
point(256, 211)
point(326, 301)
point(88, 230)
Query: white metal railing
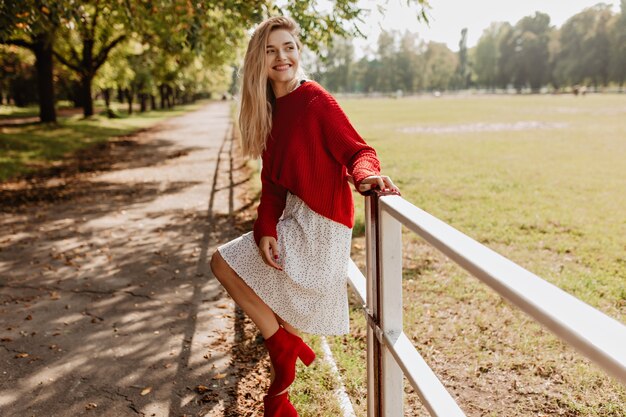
point(390, 353)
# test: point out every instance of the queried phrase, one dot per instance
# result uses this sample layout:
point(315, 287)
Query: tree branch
point(18, 42)
point(67, 63)
point(102, 55)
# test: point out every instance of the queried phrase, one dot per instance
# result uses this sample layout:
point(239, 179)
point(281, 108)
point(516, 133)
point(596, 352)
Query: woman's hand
point(381, 182)
point(268, 247)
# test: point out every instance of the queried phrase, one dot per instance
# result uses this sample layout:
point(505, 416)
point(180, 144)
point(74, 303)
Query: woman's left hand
point(382, 182)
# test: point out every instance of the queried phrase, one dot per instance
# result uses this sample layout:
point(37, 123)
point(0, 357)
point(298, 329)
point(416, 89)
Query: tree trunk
point(162, 95)
point(120, 95)
point(129, 97)
point(106, 93)
point(170, 98)
point(143, 97)
point(152, 102)
point(45, 84)
point(85, 89)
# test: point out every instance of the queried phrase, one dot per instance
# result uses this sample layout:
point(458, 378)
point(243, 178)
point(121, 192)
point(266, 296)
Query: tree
point(386, 55)
point(440, 65)
point(486, 57)
point(95, 27)
point(463, 70)
point(17, 76)
point(618, 47)
point(585, 47)
point(32, 24)
point(506, 53)
point(337, 65)
point(555, 77)
point(524, 52)
point(408, 63)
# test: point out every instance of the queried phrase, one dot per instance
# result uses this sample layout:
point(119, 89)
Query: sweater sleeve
point(343, 141)
point(271, 206)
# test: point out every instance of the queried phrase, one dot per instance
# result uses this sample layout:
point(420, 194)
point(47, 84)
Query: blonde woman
point(289, 274)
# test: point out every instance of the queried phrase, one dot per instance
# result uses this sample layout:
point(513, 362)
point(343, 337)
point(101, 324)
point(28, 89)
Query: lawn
point(539, 179)
point(32, 146)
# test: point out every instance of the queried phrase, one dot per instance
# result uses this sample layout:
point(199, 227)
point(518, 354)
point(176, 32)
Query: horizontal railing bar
point(598, 336)
point(431, 391)
point(357, 282)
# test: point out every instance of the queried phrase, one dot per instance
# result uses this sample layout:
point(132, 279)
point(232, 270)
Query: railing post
point(383, 236)
point(390, 308)
point(374, 364)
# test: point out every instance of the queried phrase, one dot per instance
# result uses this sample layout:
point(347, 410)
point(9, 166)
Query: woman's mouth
point(283, 67)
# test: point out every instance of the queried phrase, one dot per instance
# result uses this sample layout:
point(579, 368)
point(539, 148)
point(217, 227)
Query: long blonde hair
point(257, 96)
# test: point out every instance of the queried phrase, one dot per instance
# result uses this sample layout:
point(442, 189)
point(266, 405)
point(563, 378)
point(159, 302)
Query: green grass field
point(539, 179)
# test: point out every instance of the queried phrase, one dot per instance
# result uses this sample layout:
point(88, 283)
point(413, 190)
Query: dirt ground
point(107, 304)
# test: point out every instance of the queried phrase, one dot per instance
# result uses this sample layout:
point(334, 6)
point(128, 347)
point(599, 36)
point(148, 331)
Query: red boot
point(278, 406)
point(284, 348)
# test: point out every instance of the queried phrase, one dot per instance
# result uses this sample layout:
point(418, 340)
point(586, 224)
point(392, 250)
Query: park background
point(517, 140)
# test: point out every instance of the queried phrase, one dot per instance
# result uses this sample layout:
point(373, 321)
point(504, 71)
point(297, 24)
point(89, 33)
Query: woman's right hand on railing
point(268, 247)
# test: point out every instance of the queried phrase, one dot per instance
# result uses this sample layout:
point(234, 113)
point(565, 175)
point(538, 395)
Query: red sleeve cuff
point(261, 230)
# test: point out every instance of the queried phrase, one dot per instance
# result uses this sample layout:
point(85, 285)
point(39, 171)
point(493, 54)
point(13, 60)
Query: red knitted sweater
point(310, 152)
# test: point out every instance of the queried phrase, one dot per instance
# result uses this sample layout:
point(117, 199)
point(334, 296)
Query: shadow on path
point(107, 305)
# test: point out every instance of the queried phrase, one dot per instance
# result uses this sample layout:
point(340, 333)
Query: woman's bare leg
point(260, 313)
point(244, 296)
point(287, 326)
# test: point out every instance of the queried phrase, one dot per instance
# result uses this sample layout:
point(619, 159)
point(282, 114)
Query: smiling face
point(282, 60)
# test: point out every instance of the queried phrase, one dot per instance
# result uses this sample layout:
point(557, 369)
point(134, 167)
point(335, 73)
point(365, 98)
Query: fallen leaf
point(22, 355)
point(29, 317)
point(219, 376)
point(201, 389)
point(146, 391)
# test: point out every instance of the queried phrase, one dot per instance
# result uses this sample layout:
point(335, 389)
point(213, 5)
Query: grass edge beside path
point(29, 148)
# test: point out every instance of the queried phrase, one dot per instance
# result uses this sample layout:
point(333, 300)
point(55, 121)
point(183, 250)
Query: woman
point(290, 273)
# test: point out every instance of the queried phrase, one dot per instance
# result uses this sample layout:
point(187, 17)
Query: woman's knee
point(217, 265)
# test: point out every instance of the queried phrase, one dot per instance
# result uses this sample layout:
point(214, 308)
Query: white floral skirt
point(310, 293)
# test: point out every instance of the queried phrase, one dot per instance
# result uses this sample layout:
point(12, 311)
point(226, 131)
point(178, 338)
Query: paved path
point(107, 304)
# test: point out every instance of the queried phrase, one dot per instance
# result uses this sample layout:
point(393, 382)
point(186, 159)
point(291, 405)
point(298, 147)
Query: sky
point(448, 17)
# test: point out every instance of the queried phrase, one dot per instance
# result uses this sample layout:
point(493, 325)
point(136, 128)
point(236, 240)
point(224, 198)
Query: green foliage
point(524, 53)
point(585, 46)
point(485, 57)
point(173, 47)
point(440, 66)
point(532, 54)
point(618, 46)
point(17, 75)
point(463, 70)
point(24, 20)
